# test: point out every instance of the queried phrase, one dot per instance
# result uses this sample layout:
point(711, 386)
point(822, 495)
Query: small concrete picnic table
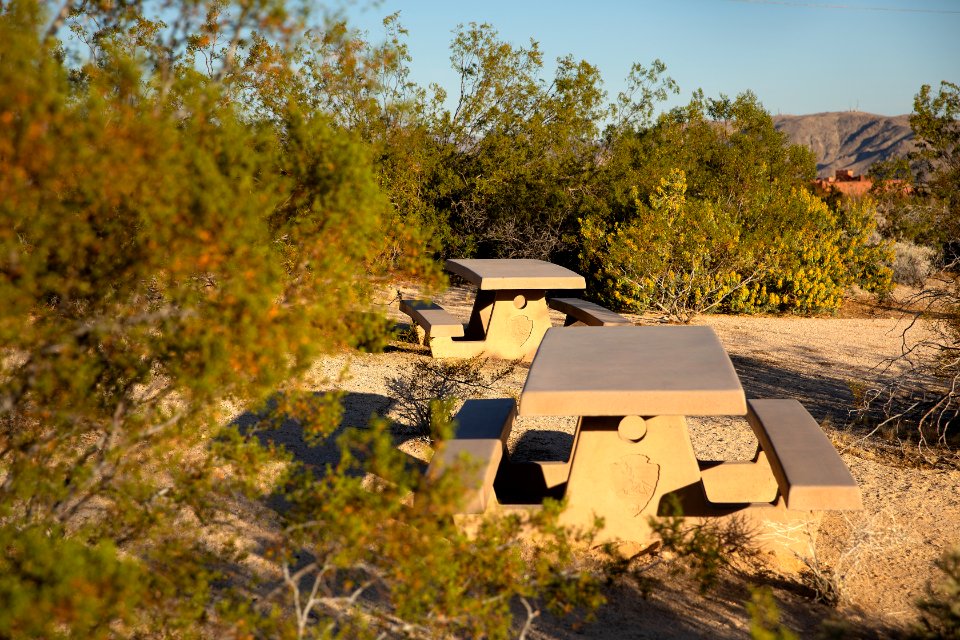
point(510, 312)
point(632, 388)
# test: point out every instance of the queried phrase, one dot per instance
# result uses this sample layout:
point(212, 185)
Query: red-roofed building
point(846, 183)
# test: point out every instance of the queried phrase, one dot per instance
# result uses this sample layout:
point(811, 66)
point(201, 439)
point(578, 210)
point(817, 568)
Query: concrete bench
point(588, 313)
point(478, 447)
point(432, 318)
point(809, 471)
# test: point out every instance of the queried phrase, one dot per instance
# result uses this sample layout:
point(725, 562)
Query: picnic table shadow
point(287, 432)
point(824, 394)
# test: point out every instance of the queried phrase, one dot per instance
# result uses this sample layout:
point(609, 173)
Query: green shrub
point(719, 217)
point(818, 255)
point(682, 256)
point(678, 256)
point(160, 253)
point(51, 584)
point(765, 617)
point(940, 610)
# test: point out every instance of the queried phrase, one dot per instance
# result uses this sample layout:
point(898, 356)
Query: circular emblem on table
point(632, 429)
point(520, 329)
point(635, 481)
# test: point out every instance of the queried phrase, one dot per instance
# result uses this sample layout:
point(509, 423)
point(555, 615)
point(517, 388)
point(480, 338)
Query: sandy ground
point(884, 554)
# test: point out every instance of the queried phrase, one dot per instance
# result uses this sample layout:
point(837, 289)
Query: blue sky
point(798, 57)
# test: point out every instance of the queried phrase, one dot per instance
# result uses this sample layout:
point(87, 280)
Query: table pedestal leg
point(625, 481)
point(508, 324)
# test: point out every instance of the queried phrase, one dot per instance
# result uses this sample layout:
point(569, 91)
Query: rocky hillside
point(848, 139)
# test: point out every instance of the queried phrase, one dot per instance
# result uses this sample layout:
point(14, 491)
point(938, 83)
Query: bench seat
point(436, 322)
point(809, 471)
point(482, 427)
point(588, 313)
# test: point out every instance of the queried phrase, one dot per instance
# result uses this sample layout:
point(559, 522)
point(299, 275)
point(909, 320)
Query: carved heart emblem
point(520, 329)
point(635, 480)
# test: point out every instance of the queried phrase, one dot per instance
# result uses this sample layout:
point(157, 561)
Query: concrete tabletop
point(622, 371)
point(498, 273)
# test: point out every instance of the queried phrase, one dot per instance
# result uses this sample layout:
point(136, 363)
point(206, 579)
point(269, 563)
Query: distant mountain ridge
point(849, 139)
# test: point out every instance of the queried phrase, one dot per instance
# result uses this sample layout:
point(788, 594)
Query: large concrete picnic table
point(510, 313)
point(632, 388)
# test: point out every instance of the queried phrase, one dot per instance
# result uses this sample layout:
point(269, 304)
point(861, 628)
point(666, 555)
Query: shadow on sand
point(825, 395)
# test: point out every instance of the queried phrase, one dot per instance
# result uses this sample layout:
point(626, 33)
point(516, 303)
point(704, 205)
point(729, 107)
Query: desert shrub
point(704, 547)
point(936, 161)
point(677, 256)
point(46, 578)
point(912, 264)
point(390, 559)
point(364, 87)
point(161, 253)
point(819, 254)
point(433, 389)
point(765, 617)
point(683, 256)
point(516, 149)
point(906, 216)
point(940, 609)
point(720, 218)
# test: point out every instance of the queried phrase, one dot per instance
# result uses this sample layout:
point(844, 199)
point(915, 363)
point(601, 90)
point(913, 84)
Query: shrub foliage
point(730, 224)
point(160, 253)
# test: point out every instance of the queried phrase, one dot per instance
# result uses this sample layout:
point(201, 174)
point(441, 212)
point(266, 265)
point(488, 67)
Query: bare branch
point(59, 19)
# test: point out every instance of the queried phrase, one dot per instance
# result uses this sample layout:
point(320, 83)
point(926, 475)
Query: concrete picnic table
point(631, 389)
point(510, 312)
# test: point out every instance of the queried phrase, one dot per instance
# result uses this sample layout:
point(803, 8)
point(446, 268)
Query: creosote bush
point(360, 562)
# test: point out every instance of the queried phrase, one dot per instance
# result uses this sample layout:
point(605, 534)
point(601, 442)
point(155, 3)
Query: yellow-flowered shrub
point(680, 256)
point(819, 255)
